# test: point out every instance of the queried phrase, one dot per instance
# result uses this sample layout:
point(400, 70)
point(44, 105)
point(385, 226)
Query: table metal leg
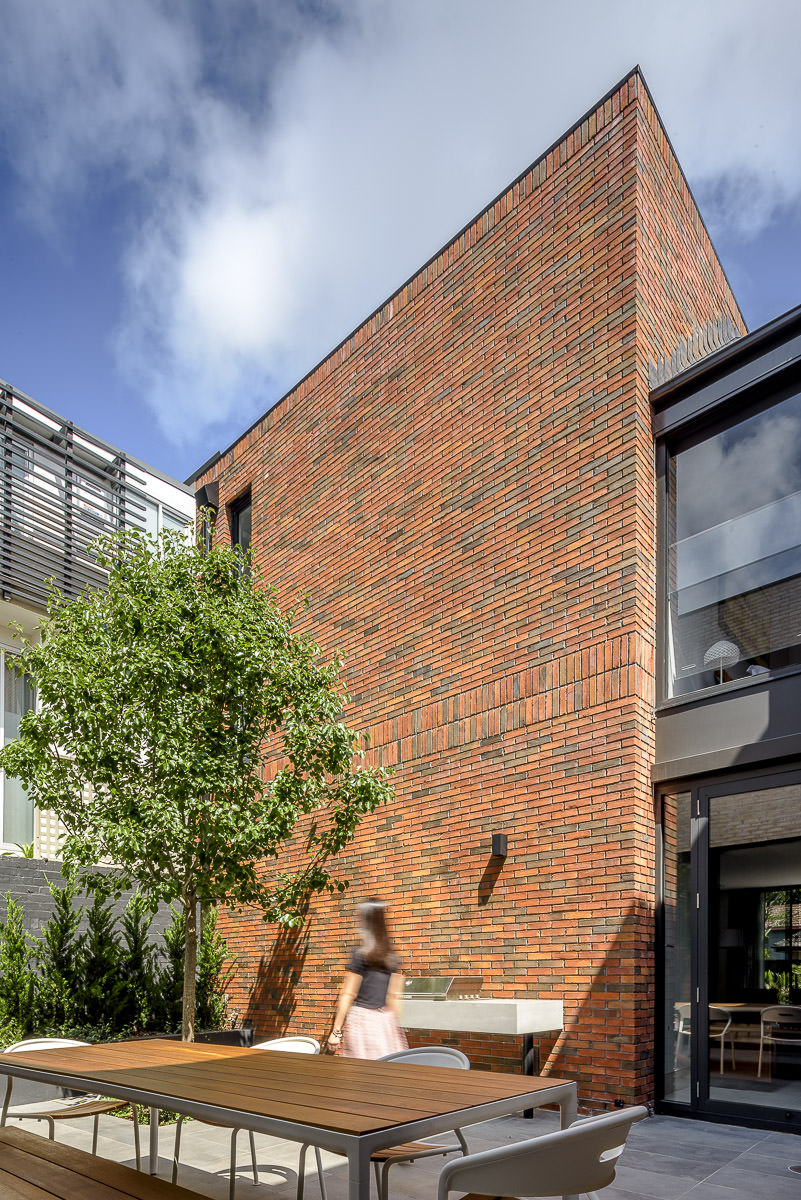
point(568, 1109)
point(153, 1159)
point(568, 1112)
point(358, 1173)
point(530, 1064)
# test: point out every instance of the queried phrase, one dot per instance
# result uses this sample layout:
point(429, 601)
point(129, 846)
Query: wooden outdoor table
point(343, 1104)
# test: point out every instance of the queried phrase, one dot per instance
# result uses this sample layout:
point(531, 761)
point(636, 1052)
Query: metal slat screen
point(60, 488)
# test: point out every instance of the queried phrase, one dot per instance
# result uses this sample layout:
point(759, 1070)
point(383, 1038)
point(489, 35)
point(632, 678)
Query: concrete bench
point(34, 1168)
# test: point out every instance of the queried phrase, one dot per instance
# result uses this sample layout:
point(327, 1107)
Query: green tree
point(161, 694)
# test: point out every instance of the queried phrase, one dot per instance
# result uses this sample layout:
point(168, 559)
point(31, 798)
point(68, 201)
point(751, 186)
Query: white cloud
point(290, 165)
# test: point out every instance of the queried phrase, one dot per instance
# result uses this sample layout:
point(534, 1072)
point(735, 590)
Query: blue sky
point(199, 198)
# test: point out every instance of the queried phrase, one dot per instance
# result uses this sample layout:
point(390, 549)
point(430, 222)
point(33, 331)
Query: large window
point(734, 552)
point(156, 516)
point(16, 809)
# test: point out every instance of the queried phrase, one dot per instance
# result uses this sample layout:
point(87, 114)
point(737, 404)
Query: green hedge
point(108, 981)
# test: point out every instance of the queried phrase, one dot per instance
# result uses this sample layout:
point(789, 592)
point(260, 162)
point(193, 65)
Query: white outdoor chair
point(297, 1045)
point(780, 1025)
point(575, 1161)
point(382, 1160)
point(67, 1108)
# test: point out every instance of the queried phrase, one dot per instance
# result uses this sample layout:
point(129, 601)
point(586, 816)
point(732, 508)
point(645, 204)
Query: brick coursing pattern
point(465, 490)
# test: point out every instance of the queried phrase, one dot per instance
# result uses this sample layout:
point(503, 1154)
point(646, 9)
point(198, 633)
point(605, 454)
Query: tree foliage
point(158, 700)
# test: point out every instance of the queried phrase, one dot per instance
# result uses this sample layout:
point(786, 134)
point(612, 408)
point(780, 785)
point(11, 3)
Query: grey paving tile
point(790, 1140)
point(652, 1185)
point(696, 1166)
point(768, 1164)
point(782, 1186)
point(709, 1191)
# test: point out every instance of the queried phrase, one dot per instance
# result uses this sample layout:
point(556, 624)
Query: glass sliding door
point(677, 930)
point(754, 975)
point(731, 960)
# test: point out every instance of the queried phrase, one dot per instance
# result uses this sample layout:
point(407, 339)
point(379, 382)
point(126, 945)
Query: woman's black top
point(375, 981)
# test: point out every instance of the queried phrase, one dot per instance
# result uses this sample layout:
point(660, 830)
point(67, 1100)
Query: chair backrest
point(782, 1014)
point(430, 1056)
point(580, 1159)
point(719, 1021)
point(45, 1043)
point(683, 1009)
point(298, 1045)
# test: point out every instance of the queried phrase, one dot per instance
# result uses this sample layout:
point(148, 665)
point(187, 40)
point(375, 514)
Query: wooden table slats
point(323, 1091)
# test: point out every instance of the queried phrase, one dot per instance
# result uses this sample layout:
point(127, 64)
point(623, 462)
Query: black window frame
point(692, 419)
point(242, 504)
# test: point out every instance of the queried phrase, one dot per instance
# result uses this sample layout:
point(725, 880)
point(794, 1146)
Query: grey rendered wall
point(745, 726)
point(26, 879)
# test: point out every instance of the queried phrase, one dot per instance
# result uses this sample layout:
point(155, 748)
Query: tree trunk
point(189, 901)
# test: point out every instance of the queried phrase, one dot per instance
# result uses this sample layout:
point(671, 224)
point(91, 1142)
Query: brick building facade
point(465, 489)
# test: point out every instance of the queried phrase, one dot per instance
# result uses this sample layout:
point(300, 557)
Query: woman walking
point(366, 1018)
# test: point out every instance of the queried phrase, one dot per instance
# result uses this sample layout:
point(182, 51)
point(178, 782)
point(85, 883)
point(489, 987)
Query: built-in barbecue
point(443, 987)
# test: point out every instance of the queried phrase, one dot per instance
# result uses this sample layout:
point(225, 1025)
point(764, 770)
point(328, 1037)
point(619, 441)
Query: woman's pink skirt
point(372, 1033)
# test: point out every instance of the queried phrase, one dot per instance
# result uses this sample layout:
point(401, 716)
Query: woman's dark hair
point(376, 943)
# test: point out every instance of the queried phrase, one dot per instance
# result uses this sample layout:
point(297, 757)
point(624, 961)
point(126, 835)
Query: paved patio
point(666, 1159)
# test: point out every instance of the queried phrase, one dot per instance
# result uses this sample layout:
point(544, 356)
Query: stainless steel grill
point(443, 987)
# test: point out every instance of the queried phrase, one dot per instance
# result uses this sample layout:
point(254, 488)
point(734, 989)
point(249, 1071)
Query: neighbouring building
point(561, 558)
point(60, 488)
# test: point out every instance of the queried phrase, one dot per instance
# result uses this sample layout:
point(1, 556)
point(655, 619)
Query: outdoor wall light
point(499, 849)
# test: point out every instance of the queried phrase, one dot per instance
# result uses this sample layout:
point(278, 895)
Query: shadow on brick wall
point(273, 999)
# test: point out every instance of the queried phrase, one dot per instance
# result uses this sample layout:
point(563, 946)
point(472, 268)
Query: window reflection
point(676, 910)
point(735, 552)
point(241, 524)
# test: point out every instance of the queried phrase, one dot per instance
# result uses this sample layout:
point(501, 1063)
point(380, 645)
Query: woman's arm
point(347, 994)
point(395, 993)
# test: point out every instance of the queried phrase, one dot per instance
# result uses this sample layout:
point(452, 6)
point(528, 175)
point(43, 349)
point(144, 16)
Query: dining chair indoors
point(382, 1160)
point(296, 1045)
point(80, 1105)
point(720, 1028)
point(780, 1025)
point(577, 1161)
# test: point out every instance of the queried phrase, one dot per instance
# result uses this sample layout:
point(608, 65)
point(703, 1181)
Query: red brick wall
point(465, 490)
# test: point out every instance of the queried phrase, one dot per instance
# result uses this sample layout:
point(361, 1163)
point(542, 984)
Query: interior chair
point(68, 1108)
point(382, 1160)
point(780, 1025)
point(720, 1028)
point(577, 1161)
point(296, 1045)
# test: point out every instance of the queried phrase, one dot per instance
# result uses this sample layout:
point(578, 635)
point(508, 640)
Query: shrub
point(212, 976)
point(60, 953)
point(16, 975)
point(101, 991)
point(138, 967)
point(106, 983)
